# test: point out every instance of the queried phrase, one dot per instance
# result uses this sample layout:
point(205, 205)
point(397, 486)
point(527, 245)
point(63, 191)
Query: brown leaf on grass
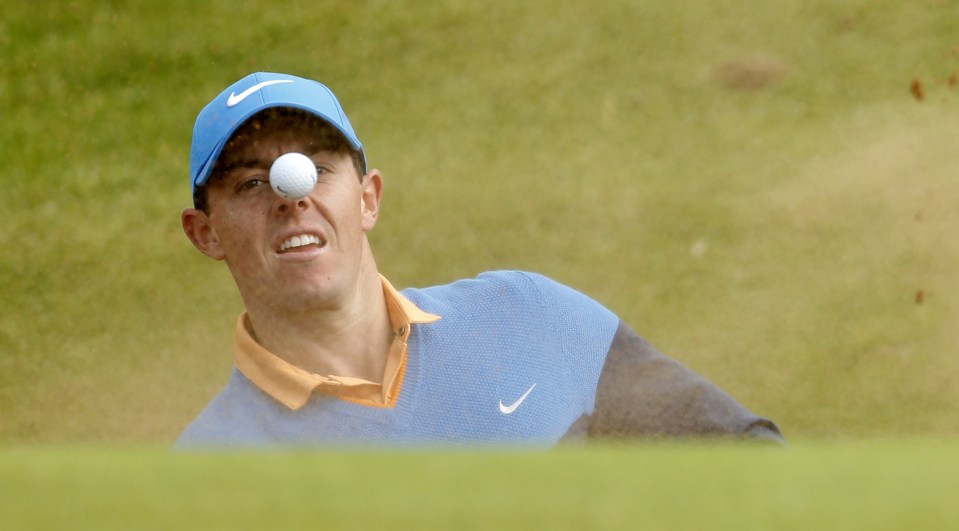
point(920, 296)
point(953, 80)
point(750, 73)
point(916, 89)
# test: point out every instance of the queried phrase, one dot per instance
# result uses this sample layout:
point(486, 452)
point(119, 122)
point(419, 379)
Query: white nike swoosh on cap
point(506, 410)
point(235, 99)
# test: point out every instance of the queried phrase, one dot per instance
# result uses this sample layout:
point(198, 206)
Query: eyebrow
point(258, 163)
point(244, 163)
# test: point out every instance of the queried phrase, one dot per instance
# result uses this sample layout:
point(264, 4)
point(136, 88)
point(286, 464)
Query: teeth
point(299, 241)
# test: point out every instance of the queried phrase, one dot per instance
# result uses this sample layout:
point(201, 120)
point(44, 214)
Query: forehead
point(287, 125)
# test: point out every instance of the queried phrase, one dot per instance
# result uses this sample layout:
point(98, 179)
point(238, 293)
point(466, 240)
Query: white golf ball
point(293, 176)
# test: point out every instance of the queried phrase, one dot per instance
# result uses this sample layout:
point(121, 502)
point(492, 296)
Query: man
point(328, 352)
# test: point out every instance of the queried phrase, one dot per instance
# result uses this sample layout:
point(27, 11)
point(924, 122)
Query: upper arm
point(642, 392)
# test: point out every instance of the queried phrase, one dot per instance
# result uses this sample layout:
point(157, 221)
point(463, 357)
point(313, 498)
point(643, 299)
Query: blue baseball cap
point(217, 121)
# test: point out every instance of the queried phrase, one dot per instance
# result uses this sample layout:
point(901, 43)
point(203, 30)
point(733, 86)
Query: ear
point(370, 200)
point(196, 225)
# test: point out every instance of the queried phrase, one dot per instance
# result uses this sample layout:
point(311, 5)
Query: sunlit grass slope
point(752, 185)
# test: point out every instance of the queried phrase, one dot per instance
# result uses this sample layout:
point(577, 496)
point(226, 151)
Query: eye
point(250, 184)
point(321, 170)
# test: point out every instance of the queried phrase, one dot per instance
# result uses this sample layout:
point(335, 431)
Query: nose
point(288, 206)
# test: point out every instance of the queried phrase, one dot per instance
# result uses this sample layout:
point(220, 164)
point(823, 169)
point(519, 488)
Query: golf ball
point(293, 176)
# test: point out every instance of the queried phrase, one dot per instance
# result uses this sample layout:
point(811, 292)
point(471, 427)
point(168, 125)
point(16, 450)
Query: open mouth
point(300, 243)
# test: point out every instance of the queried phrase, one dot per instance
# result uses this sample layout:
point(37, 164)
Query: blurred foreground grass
point(875, 485)
point(751, 185)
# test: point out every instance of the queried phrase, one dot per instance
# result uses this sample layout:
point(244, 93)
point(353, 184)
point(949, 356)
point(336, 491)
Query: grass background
point(752, 185)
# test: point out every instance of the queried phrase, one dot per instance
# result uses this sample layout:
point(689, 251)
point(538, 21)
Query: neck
point(349, 337)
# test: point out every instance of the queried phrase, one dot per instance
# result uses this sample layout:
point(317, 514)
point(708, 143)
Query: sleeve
point(643, 393)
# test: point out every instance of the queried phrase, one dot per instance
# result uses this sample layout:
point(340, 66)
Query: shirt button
point(401, 331)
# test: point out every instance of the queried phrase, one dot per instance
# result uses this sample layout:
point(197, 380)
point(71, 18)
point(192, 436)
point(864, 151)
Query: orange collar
point(293, 386)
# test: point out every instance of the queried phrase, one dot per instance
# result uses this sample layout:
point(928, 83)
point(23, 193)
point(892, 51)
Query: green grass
point(774, 239)
point(875, 485)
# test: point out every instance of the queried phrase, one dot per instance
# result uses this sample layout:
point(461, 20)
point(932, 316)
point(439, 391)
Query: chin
point(319, 292)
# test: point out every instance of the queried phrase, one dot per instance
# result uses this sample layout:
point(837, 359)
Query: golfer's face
point(289, 252)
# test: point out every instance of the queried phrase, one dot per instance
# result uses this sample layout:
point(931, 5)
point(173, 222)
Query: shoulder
point(225, 420)
point(501, 286)
point(539, 303)
point(490, 282)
